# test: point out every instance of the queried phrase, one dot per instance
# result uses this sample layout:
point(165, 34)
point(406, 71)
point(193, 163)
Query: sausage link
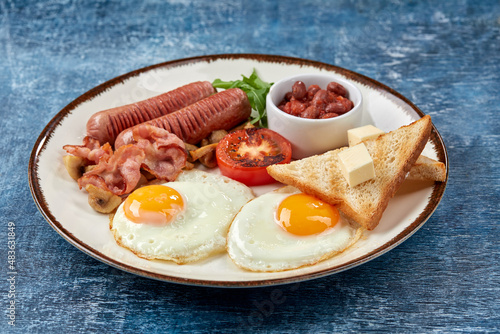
point(105, 125)
point(223, 110)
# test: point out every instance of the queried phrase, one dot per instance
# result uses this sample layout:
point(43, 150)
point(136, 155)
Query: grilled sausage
point(223, 110)
point(107, 124)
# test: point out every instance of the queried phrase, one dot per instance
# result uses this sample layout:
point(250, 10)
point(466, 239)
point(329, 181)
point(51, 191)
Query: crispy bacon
point(165, 152)
point(91, 150)
point(154, 149)
point(119, 173)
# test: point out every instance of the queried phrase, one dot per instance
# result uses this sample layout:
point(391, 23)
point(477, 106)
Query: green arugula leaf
point(256, 90)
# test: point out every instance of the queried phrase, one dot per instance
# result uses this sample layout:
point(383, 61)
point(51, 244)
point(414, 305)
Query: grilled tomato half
point(243, 155)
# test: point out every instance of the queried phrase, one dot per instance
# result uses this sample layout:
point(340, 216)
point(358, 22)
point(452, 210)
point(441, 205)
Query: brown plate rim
point(45, 135)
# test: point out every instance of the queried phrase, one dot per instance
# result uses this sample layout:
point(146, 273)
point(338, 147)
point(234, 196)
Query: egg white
point(211, 202)
point(256, 242)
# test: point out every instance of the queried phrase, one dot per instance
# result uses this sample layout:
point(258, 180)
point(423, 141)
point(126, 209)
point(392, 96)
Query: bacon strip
point(91, 150)
point(165, 152)
point(119, 173)
point(154, 149)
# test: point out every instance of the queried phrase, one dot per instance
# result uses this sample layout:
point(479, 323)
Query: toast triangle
point(427, 169)
point(393, 154)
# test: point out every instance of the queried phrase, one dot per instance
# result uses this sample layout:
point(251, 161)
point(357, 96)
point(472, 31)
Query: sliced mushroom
point(198, 153)
point(206, 155)
point(209, 160)
point(216, 136)
point(74, 165)
point(189, 148)
point(188, 166)
point(246, 125)
point(204, 142)
point(101, 200)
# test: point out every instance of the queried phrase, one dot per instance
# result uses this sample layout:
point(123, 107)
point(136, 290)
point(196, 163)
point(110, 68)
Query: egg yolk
point(155, 204)
point(302, 214)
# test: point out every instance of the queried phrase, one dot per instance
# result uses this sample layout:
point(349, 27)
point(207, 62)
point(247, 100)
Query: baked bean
point(320, 99)
point(287, 107)
point(299, 90)
point(347, 104)
point(337, 88)
point(332, 97)
point(316, 102)
point(312, 90)
point(310, 112)
point(297, 108)
point(336, 107)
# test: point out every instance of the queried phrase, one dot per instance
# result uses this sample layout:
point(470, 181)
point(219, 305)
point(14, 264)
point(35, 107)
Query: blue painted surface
point(443, 56)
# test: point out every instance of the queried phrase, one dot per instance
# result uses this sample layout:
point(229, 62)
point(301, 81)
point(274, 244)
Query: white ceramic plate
point(65, 207)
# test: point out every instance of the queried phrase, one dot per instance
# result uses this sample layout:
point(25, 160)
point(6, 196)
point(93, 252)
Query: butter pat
point(357, 164)
point(357, 135)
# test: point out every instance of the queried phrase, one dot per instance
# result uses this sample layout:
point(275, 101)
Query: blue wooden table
point(443, 56)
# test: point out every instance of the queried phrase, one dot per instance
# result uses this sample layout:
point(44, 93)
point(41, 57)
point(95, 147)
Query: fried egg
point(287, 229)
point(181, 221)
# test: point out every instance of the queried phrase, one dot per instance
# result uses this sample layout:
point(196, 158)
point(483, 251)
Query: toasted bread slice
point(393, 155)
point(427, 169)
point(424, 169)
